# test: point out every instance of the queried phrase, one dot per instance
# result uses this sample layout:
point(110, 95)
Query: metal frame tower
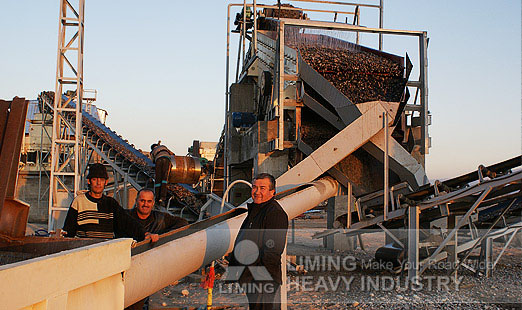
point(67, 132)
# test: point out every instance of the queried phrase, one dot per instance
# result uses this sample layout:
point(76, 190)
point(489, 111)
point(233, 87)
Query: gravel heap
point(359, 75)
point(185, 196)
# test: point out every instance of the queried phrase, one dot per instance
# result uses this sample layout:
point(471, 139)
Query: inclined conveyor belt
point(458, 194)
point(122, 156)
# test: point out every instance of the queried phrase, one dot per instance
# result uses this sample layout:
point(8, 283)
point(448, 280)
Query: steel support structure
point(505, 188)
point(421, 84)
point(489, 264)
point(66, 136)
point(480, 192)
point(279, 143)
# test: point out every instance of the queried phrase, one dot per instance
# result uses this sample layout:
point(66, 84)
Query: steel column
point(451, 247)
point(226, 171)
point(281, 88)
point(381, 22)
point(350, 205)
point(66, 141)
point(413, 242)
point(386, 164)
point(284, 295)
point(423, 79)
point(254, 35)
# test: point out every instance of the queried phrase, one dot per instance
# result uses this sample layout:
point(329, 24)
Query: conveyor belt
point(125, 159)
point(112, 148)
point(506, 188)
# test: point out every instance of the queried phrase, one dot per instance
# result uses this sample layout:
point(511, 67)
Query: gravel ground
point(360, 285)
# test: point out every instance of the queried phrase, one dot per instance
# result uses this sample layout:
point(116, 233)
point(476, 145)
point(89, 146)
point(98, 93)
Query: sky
point(159, 69)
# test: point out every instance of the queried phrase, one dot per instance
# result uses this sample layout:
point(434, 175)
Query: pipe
point(203, 242)
point(228, 189)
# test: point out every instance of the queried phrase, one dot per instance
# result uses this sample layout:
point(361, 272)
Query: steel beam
point(342, 26)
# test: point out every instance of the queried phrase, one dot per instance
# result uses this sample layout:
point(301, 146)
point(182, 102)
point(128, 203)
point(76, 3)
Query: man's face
point(145, 203)
point(97, 185)
point(261, 191)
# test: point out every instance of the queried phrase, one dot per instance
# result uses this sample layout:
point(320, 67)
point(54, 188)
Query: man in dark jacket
point(95, 215)
point(160, 155)
point(259, 246)
point(153, 221)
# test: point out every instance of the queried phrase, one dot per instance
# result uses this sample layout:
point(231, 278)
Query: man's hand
point(153, 237)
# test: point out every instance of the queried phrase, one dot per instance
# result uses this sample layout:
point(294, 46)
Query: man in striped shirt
point(95, 215)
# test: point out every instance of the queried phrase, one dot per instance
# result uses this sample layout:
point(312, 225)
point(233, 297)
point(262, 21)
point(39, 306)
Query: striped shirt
point(90, 217)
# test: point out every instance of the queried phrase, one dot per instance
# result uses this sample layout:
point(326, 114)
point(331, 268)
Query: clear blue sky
point(159, 68)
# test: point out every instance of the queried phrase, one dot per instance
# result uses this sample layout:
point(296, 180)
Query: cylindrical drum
point(185, 169)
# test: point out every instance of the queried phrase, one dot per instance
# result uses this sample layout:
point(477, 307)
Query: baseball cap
point(97, 171)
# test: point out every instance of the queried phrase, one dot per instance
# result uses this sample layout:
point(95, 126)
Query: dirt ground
point(352, 280)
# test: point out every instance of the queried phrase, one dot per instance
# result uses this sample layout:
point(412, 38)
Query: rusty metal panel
point(14, 134)
point(13, 219)
point(13, 213)
point(4, 110)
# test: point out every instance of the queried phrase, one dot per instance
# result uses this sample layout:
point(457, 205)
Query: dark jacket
point(266, 225)
point(158, 222)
